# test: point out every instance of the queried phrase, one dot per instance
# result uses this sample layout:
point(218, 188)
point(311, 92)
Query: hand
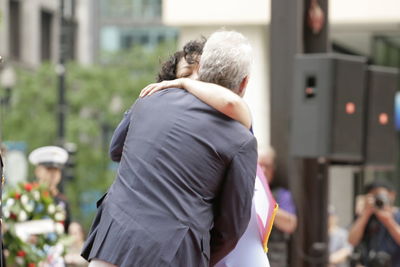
point(365, 205)
point(384, 215)
point(154, 87)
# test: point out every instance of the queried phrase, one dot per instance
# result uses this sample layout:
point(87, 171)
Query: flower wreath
point(30, 202)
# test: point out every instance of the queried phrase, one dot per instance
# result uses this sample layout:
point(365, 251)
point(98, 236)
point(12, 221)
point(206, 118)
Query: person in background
point(73, 257)
point(375, 233)
point(49, 161)
point(339, 248)
point(285, 222)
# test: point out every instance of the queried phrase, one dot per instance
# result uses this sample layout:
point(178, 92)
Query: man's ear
point(243, 85)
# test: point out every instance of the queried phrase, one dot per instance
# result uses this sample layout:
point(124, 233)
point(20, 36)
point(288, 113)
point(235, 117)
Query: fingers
point(370, 200)
point(145, 91)
point(152, 88)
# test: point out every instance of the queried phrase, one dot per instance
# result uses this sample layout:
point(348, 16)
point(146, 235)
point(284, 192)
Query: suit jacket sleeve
point(233, 211)
point(119, 136)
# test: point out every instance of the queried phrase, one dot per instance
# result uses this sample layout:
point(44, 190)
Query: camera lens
point(381, 200)
point(379, 203)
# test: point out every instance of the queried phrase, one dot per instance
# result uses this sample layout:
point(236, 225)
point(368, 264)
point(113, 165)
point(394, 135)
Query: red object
point(316, 17)
point(383, 118)
point(31, 264)
point(28, 187)
point(309, 91)
point(17, 196)
point(13, 216)
point(46, 193)
point(350, 108)
point(21, 253)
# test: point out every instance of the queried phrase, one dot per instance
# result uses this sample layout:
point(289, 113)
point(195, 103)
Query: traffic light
point(328, 107)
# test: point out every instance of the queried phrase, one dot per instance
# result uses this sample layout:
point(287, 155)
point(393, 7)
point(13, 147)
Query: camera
point(371, 259)
point(379, 259)
point(381, 200)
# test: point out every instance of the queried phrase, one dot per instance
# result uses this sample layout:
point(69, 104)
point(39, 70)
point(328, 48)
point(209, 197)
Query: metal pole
point(62, 105)
point(307, 178)
point(315, 175)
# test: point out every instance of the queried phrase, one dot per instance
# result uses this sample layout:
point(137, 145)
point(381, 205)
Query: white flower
point(29, 207)
point(59, 228)
point(60, 216)
point(6, 213)
point(51, 209)
point(61, 206)
point(36, 195)
point(24, 199)
point(10, 202)
point(22, 216)
point(20, 261)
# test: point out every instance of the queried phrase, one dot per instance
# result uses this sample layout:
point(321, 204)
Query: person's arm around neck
point(218, 97)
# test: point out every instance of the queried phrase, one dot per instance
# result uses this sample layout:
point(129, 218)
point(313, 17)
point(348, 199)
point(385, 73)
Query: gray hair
point(226, 59)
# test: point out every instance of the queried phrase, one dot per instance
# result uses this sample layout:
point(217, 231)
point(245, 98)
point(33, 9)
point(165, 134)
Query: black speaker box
point(328, 107)
point(381, 139)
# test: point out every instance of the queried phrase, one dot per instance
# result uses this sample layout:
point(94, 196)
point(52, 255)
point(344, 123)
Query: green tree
point(97, 98)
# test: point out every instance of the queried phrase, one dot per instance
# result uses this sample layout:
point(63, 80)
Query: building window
point(114, 38)
point(131, 9)
point(386, 50)
point(14, 30)
point(46, 20)
point(71, 31)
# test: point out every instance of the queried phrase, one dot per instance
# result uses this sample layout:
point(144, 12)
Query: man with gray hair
point(184, 188)
point(226, 61)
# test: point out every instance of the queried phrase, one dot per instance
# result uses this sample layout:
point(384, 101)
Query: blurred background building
point(120, 25)
point(30, 31)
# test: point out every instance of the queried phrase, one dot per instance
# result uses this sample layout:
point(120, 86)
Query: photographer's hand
point(366, 208)
point(385, 216)
point(369, 207)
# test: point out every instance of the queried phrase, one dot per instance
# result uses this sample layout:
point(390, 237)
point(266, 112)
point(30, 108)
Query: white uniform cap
point(52, 156)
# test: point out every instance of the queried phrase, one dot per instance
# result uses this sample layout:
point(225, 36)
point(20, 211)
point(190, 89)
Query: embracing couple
point(186, 178)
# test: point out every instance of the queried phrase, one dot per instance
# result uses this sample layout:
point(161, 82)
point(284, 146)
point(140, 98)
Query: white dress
point(249, 251)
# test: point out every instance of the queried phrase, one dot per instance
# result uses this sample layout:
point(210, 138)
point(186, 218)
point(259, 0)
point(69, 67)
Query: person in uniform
point(49, 161)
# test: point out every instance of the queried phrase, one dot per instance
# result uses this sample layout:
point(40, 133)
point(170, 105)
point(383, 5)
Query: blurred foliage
point(97, 98)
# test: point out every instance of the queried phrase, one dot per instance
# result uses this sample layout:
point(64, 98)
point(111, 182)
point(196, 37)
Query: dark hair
point(168, 68)
point(191, 52)
point(377, 184)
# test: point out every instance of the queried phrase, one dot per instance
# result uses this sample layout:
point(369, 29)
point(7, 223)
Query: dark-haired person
point(180, 71)
point(182, 196)
point(376, 231)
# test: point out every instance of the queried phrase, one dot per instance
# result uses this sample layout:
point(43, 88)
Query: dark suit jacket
point(182, 196)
